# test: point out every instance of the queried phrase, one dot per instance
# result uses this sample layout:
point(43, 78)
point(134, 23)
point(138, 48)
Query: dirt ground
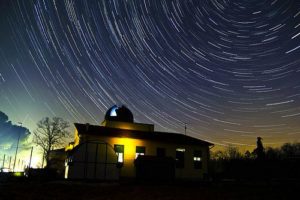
point(31, 190)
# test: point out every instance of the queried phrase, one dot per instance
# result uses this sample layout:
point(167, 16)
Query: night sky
point(230, 69)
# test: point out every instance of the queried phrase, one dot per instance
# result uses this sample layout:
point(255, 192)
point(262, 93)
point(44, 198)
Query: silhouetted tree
point(228, 153)
point(278, 163)
point(289, 150)
point(233, 152)
point(248, 155)
point(50, 134)
point(218, 155)
point(273, 153)
point(259, 151)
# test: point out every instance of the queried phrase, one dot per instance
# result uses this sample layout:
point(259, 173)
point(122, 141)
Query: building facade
point(120, 148)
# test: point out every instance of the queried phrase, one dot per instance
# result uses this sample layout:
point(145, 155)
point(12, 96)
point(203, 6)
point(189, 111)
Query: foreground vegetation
point(85, 190)
point(276, 164)
point(233, 175)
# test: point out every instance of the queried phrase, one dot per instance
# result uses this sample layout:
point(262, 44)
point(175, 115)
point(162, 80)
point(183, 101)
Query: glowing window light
point(180, 149)
point(119, 149)
point(197, 159)
point(130, 144)
point(120, 157)
point(140, 150)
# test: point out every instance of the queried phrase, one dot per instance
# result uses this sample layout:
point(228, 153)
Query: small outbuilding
point(121, 148)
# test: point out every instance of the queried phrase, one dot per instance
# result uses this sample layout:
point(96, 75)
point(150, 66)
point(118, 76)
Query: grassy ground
point(25, 190)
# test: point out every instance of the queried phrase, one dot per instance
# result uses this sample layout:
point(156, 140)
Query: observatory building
point(121, 148)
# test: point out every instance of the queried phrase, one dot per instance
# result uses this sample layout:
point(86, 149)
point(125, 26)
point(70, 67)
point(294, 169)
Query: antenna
point(185, 127)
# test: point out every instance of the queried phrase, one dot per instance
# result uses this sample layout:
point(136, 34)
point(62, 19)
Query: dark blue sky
point(229, 69)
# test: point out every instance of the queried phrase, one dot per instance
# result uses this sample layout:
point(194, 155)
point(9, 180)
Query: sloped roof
point(87, 129)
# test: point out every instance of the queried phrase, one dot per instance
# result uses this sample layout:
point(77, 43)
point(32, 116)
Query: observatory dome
point(119, 113)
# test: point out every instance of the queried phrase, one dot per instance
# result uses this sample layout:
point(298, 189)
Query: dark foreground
point(25, 189)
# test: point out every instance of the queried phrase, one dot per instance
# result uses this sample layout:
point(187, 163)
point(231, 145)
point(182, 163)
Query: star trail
point(229, 69)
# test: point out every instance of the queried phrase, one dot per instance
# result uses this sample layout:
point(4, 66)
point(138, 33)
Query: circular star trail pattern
point(229, 69)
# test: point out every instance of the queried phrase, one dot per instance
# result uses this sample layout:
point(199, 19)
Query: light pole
point(3, 163)
point(17, 147)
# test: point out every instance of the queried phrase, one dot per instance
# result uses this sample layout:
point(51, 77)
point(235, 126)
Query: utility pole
point(9, 162)
point(185, 128)
point(30, 157)
point(3, 161)
point(17, 148)
point(16, 153)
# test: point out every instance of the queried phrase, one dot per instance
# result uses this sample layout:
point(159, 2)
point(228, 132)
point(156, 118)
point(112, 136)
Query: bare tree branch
point(50, 134)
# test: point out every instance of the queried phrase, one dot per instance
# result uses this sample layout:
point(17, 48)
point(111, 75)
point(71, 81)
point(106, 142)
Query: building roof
point(87, 129)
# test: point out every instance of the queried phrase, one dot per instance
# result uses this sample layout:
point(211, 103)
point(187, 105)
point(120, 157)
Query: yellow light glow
point(36, 161)
point(69, 147)
point(18, 174)
point(129, 146)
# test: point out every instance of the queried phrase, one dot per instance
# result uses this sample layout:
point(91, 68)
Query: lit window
point(197, 159)
point(180, 157)
point(180, 149)
point(119, 149)
point(140, 150)
point(69, 161)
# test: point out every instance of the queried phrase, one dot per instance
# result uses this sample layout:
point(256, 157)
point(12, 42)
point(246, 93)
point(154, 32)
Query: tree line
point(286, 151)
point(282, 163)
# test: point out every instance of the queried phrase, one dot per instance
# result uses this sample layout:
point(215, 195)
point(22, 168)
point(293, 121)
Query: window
point(140, 150)
point(161, 152)
point(69, 160)
point(197, 159)
point(119, 149)
point(180, 157)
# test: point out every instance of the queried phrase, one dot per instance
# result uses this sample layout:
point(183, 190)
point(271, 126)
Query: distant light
point(5, 170)
point(18, 174)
